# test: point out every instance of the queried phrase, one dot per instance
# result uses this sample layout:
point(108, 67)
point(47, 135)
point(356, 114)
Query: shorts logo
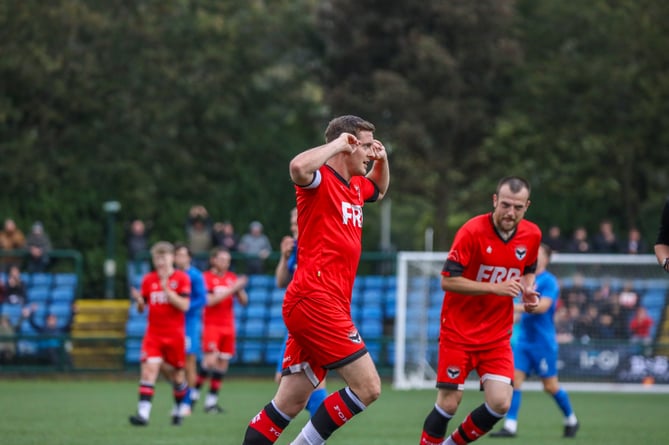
point(521, 251)
point(453, 372)
point(354, 336)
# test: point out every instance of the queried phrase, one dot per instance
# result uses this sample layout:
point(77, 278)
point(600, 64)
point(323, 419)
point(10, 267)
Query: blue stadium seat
point(65, 279)
point(41, 279)
point(390, 304)
point(276, 328)
point(373, 297)
point(371, 328)
point(374, 349)
point(256, 311)
point(261, 282)
point(62, 311)
point(135, 327)
point(653, 298)
point(273, 350)
point(12, 311)
point(254, 328)
point(258, 295)
point(62, 294)
point(275, 312)
point(38, 293)
point(374, 282)
point(276, 296)
point(252, 351)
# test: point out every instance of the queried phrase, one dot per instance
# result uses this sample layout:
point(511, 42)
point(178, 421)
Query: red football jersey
point(222, 313)
point(480, 254)
point(329, 215)
point(163, 317)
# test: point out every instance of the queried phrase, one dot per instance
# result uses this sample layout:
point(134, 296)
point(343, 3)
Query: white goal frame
point(423, 373)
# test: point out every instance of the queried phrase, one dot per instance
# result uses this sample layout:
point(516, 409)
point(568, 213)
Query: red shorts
point(455, 364)
point(170, 348)
point(320, 338)
point(218, 340)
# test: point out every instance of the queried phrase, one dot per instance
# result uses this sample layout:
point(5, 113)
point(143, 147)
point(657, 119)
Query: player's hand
point(136, 295)
point(349, 142)
point(378, 150)
point(509, 288)
point(287, 245)
point(530, 300)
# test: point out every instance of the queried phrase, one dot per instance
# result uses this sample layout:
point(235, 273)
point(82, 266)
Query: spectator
point(605, 241)
point(579, 242)
point(52, 346)
point(585, 326)
point(554, 239)
point(199, 235)
point(256, 246)
point(577, 294)
point(7, 347)
point(640, 326)
point(39, 248)
point(14, 289)
point(634, 244)
point(137, 240)
point(11, 238)
point(564, 325)
point(225, 236)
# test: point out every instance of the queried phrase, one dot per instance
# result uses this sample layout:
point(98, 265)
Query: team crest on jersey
point(173, 284)
point(453, 372)
point(354, 336)
point(521, 252)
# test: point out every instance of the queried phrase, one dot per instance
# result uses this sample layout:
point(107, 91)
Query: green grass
point(94, 412)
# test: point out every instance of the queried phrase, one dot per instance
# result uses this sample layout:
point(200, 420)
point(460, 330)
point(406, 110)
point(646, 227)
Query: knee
point(369, 392)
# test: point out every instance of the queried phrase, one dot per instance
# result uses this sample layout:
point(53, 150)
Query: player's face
point(163, 261)
point(221, 261)
point(362, 156)
point(182, 259)
point(509, 207)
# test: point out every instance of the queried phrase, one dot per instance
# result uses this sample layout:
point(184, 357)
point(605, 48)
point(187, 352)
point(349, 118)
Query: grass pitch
point(95, 412)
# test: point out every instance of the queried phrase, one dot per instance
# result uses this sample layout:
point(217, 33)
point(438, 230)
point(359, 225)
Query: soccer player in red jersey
point(332, 183)
point(166, 291)
point(492, 260)
point(218, 338)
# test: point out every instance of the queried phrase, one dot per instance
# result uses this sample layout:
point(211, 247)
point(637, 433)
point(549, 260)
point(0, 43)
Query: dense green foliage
point(165, 104)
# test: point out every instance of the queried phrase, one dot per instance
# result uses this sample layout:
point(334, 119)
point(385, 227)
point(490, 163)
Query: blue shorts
point(194, 337)
point(541, 361)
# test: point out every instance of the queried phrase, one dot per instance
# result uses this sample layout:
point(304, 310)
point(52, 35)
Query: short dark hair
point(179, 246)
point(515, 183)
point(346, 124)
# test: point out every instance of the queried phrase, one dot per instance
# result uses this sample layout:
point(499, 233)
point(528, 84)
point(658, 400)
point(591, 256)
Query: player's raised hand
point(349, 142)
point(287, 245)
point(378, 150)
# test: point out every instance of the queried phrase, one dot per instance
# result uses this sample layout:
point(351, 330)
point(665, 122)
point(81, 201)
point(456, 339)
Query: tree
point(432, 76)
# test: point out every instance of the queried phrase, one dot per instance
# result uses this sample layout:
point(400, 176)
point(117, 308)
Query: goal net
point(599, 296)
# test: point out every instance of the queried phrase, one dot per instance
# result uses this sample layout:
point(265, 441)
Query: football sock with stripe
point(337, 409)
point(434, 427)
point(146, 391)
point(266, 427)
point(475, 425)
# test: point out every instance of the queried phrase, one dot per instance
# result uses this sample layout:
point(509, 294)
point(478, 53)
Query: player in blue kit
point(198, 298)
point(536, 350)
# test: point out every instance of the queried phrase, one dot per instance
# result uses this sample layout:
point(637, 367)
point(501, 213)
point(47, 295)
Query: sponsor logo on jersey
point(453, 372)
point(521, 252)
point(354, 336)
point(351, 214)
point(496, 274)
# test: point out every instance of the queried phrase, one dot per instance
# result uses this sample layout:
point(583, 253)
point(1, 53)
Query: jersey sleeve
point(459, 255)
point(184, 288)
point(369, 190)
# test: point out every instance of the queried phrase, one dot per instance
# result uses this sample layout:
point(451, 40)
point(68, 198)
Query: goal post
point(583, 359)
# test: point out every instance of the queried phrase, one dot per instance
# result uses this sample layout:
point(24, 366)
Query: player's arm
point(281, 274)
point(304, 165)
point(662, 243)
point(380, 172)
point(462, 285)
point(138, 298)
point(243, 297)
point(530, 296)
point(177, 300)
point(221, 293)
